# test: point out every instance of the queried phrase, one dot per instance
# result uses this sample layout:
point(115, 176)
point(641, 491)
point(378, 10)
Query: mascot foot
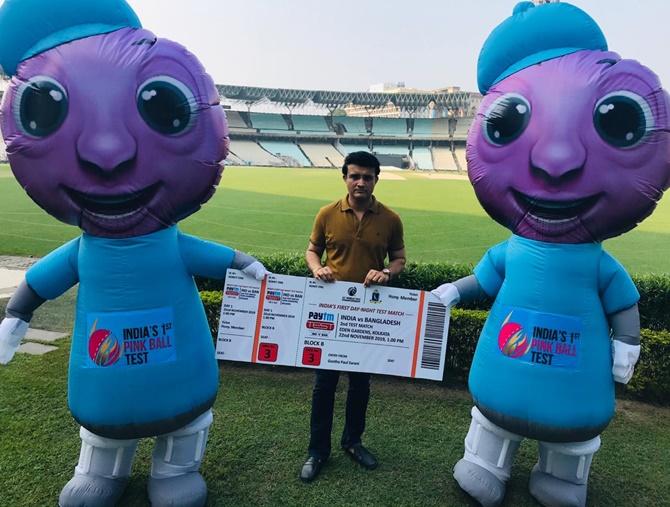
point(188, 490)
point(92, 491)
point(553, 492)
point(479, 483)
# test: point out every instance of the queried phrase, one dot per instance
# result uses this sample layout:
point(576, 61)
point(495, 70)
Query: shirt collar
point(373, 206)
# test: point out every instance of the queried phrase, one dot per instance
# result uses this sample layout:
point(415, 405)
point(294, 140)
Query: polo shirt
point(354, 247)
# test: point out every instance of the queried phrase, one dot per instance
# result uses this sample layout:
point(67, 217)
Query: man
point(357, 233)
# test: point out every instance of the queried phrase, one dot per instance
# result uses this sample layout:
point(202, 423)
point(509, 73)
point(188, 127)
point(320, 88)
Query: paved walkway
point(12, 271)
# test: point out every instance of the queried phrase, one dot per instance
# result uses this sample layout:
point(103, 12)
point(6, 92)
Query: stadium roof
point(332, 99)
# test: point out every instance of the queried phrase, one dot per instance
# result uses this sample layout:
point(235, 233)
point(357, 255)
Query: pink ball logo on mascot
point(511, 339)
point(103, 347)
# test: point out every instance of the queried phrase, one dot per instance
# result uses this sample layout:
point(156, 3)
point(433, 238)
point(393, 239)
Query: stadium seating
point(389, 127)
point(287, 149)
point(423, 127)
point(440, 127)
point(387, 160)
point(233, 159)
point(279, 140)
point(252, 154)
point(268, 122)
point(443, 159)
point(396, 149)
point(353, 125)
point(422, 158)
point(462, 128)
point(322, 154)
point(304, 123)
point(350, 147)
point(459, 152)
point(235, 120)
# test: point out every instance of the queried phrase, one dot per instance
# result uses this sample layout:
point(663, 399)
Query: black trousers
point(323, 402)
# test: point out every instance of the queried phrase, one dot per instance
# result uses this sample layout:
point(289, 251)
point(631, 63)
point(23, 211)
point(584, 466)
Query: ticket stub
point(296, 321)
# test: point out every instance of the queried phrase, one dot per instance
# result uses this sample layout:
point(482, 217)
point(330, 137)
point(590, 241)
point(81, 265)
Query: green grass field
point(260, 434)
point(261, 424)
point(265, 210)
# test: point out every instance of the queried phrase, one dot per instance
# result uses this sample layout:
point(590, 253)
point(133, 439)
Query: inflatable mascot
point(120, 133)
point(571, 145)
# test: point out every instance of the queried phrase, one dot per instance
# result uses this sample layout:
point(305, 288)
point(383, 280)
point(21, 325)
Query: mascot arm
point(211, 260)
point(464, 290)
point(12, 331)
point(17, 315)
point(23, 303)
point(249, 265)
point(625, 343)
point(486, 282)
point(470, 289)
point(619, 298)
point(47, 279)
point(490, 271)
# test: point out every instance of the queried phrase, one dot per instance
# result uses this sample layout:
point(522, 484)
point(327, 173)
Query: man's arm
point(396, 265)
point(313, 258)
point(397, 262)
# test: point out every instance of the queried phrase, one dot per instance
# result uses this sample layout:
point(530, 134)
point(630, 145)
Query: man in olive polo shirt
point(357, 233)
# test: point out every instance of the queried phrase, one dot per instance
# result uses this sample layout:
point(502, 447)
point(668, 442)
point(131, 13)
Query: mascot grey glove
point(249, 265)
point(255, 269)
point(448, 294)
point(12, 331)
point(624, 357)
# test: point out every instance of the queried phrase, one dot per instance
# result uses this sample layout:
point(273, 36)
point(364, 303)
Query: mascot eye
point(42, 106)
point(506, 119)
point(622, 118)
point(166, 105)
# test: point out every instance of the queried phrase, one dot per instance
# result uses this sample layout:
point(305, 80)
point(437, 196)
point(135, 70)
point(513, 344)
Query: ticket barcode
point(434, 336)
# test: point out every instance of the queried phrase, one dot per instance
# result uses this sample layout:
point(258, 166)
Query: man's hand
point(377, 277)
point(324, 273)
point(448, 294)
point(12, 331)
point(624, 357)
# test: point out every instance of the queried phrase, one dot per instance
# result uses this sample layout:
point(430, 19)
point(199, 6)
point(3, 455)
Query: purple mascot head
point(107, 126)
point(571, 143)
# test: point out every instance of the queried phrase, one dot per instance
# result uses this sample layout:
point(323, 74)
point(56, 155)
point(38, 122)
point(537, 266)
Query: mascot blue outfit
point(570, 146)
point(120, 133)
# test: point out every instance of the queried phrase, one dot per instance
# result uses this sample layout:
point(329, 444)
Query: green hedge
point(654, 289)
point(651, 381)
point(654, 301)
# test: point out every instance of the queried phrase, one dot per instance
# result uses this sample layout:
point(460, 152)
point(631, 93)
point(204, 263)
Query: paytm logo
point(274, 295)
point(326, 317)
point(321, 321)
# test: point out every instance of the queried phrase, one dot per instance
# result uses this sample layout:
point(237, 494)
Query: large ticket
point(296, 321)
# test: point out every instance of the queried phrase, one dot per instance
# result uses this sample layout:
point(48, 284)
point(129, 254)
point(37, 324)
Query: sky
point(350, 44)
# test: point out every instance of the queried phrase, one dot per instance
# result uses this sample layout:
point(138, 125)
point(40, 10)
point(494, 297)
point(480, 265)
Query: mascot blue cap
point(30, 27)
point(534, 34)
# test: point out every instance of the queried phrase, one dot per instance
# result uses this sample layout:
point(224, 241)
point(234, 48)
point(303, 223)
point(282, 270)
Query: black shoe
point(311, 468)
point(362, 456)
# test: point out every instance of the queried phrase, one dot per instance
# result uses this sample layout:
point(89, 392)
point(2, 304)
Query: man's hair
point(361, 159)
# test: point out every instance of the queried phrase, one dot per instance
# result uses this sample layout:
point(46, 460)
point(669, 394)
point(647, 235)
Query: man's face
point(360, 182)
